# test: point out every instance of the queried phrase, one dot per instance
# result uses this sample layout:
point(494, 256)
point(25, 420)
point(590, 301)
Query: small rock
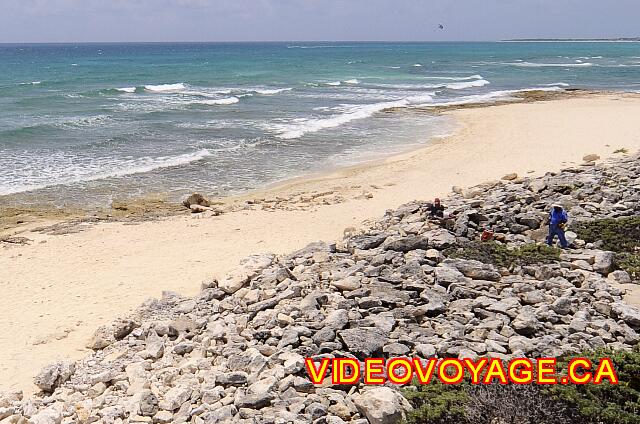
point(591, 157)
point(196, 199)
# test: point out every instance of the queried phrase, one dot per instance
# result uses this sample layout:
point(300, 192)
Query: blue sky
point(312, 20)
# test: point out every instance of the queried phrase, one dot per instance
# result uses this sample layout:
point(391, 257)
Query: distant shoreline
point(573, 40)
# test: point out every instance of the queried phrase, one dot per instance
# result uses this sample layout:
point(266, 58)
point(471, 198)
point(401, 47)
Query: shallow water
point(91, 122)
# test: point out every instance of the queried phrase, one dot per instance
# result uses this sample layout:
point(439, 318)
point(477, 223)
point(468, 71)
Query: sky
point(313, 20)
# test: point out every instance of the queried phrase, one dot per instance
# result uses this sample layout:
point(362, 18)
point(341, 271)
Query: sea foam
point(300, 127)
point(268, 91)
point(472, 77)
point(225, 101)
point(165, 87)
point(98, 170)
point(499, 95)
point(551, 65)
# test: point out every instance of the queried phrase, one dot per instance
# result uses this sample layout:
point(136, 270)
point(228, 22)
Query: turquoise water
point(88, 123)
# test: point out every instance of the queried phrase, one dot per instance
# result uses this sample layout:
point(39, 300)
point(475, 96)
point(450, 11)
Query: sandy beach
point(58, 288)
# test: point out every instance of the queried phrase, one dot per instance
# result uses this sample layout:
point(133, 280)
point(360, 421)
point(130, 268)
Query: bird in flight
point(440, 26)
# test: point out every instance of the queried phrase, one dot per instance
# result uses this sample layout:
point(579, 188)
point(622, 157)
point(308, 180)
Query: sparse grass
point(498, 254)
point(622, 150)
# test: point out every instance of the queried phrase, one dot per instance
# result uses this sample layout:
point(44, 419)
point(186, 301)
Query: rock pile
point(235, 353)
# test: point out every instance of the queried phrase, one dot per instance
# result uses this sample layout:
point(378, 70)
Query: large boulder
point(603, 262)
point(475, 270)
point(525, 322)
point(363, 342)
point(366, 241)
point(249, 268)
point(7, 398)
point(445, 276)
point(50, 415)
point(54, 375)
point(441, 239)
point(382, 405)
point(531, 220)
point(620, 277)
point(406, 244)
point(196, 199)
point(107, 334)
point(175, 397)
point(629, 314)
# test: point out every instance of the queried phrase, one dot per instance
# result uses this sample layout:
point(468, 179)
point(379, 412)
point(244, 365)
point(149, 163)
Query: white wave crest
point(468, 84)
point(352, 81)
point(334, 83)
point(127, 89)
point(213, 102)
point(451, 86)
point(165, 87)
point(500, 95)
point(208, 93)
point(551, 65)
point(417, 65)
point(55, 175)
point(472, 77)
point(267, 92)
point(31, 83)
point(300, 127)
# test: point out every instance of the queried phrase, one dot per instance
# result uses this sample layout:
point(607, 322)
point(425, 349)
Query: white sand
point(57, 290)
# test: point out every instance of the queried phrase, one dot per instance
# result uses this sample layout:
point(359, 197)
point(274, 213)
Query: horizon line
point(610, 39)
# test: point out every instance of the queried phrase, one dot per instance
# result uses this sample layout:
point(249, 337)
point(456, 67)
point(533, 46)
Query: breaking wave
point(300, 127)
point(472, 77)
point(54, 175)
point(267, 92)
point(225, 101)
point(502, 95)
point(165, 87)
point(551, 65)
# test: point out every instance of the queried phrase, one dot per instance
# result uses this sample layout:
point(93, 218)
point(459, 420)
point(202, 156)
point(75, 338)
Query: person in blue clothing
point(557, 220)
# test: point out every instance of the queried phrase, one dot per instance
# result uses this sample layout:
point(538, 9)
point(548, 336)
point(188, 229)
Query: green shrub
point(465, 403)
point(607, 403)
point(437, 403)
point(498, 254)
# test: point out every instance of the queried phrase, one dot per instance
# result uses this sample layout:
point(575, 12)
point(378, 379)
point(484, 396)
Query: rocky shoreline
point(401, 287)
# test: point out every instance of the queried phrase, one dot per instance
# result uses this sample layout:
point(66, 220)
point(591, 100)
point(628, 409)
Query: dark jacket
point(437, 210)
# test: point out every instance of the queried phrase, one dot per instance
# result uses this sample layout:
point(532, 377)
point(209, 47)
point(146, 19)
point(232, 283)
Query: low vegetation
point(621, 236)
point(465, 403)
point(498, 254)
point(606, 403)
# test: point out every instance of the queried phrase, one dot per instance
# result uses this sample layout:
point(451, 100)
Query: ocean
point(84, 124)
